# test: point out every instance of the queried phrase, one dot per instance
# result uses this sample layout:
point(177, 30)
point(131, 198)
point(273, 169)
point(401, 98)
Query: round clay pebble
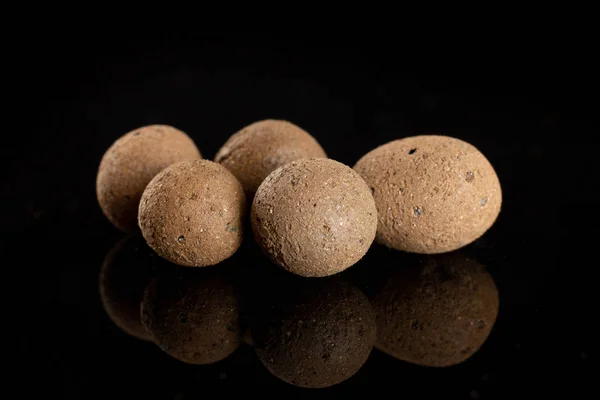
point(131, 162)
point(191, 213)
point(314, 217)
point(125, 273)
point(193, 316)
point(434, 194)
point(260, 148)
point(315, 334)
point(438, 314)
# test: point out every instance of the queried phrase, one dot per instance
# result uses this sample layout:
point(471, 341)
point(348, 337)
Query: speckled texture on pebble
point(315, 335)
point(131, 162)
point(434, 194)
point(192, 213)
point(195, 319)
point(314, 217)
point(259, 148)
point(438, 314)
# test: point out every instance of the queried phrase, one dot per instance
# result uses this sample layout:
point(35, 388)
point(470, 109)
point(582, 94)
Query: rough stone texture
point(125, 273)
point(314, 217)
point(315, 335)
point(194, 317)
point(438, 314)
point(260, 148)
point(131, 162)
point(192, 213)
point(434, 194)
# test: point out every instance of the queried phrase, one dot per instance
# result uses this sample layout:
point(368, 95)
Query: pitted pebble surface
point(317, 335)
point(434, 194)
point(195, 319)
point(192, 213)
point(131, 162)
point(438, 314)
point(258, 149)
point(314, 217)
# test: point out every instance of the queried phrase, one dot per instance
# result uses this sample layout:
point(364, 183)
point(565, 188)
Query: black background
point(531, 117)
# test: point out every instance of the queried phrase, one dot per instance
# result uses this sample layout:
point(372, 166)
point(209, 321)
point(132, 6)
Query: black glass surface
point(79, 336)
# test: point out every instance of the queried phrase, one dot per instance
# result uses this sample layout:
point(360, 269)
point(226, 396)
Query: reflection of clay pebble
point(316, 335)
point(193, 316)
point(260, 148)
point(191, 213)
point(131, 162)
point(314, 217)
point(434, 194)
point(125, 273)
point(438, 314)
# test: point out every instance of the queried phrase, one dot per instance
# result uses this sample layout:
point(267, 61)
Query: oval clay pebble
point(125, 273)
point(316, 334)
point(314, 217)
point(194, 317)
point(437, 314)
point(131, 162)
point(258, 149)
point(434, 194)
point(192, 213)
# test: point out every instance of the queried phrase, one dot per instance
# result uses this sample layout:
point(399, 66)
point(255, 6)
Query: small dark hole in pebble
point(372, 189)
point(481, 324)
point(412, 151)
point(314, 205)
point(180, 239)
point(470, 176)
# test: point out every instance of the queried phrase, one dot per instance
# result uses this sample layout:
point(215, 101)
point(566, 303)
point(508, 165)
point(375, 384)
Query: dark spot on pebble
point(418, 211)
point(229, 327)
point(470, 177)
point(314, 205)
point(182, 318)
point(127, 197)
point(180, 239)
point(416, 325)
point(372, 190)
point(230, 228)
point(326, 356)
point(483, 201)
point(425, 156)
point(193, 196)
point(137, 133)
point(480, 324)
point(412, 151)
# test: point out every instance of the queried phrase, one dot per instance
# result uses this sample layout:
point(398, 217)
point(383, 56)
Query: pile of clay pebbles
point(311, 216)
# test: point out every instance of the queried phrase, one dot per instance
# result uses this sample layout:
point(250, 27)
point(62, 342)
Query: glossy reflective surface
point(76, 307)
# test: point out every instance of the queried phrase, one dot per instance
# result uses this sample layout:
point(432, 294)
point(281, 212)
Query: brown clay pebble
point(438, 314)
point(131, 162)
point(194, 317)
point(260, 148)
point(125, 273)
point(191, 213)
point(314, 217)
point(315, 335)
point(434, 194)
